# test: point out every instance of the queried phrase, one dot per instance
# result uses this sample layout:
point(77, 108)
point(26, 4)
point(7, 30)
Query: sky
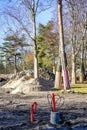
point(42, 18)
point(2, 25)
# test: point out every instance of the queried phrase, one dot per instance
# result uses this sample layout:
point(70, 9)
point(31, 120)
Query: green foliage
point(12, 51)
point(47, 45)
point(2, 69)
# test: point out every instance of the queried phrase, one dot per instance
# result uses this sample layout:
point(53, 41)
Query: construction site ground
point(15, 111)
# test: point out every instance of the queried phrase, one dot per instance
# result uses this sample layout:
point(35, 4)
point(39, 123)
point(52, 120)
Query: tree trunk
point(54, 69)
point(23, 63)
point(15, 66)
point(82, 65)
point(58, 77)
point(73, 68)
point(34, 41)
point(63, 56)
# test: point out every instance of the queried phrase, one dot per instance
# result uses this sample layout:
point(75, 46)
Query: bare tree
point(63, 55)
point(25, 15)
point(82, 67)
point(29, 9)
point(77, 33)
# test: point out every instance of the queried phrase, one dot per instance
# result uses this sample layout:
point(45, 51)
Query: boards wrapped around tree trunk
point(58, 78)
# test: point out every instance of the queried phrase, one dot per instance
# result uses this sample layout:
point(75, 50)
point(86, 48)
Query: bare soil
point(15, 111)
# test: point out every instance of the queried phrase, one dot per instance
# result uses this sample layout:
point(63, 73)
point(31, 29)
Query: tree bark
point(58, 77)
point(82, 65)
point(34, 40)
point(73, 68)
point(63, 56)
point(15, 66)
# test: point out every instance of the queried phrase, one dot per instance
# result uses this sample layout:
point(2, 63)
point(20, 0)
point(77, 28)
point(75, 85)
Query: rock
point(2, 79)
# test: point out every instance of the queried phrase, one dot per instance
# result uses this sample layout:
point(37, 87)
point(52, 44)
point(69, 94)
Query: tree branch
point(37, 2)
point(20, 22)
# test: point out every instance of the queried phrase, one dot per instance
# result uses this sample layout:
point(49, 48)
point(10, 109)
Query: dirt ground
point(15, 111)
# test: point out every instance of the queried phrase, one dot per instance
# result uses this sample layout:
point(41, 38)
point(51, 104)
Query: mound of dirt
point(22, 85)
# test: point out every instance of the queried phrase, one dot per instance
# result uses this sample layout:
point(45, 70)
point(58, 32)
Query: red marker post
point(53, 102)
point(34, 107)
point(32, 111)
point(31, 116)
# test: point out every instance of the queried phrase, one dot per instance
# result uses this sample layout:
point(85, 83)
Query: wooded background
point(30, 46)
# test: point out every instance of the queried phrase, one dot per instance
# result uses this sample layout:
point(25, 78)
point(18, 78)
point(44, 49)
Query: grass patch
point(79, 85)
point(75, 88)
point(79, 88)
point(55, 89)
